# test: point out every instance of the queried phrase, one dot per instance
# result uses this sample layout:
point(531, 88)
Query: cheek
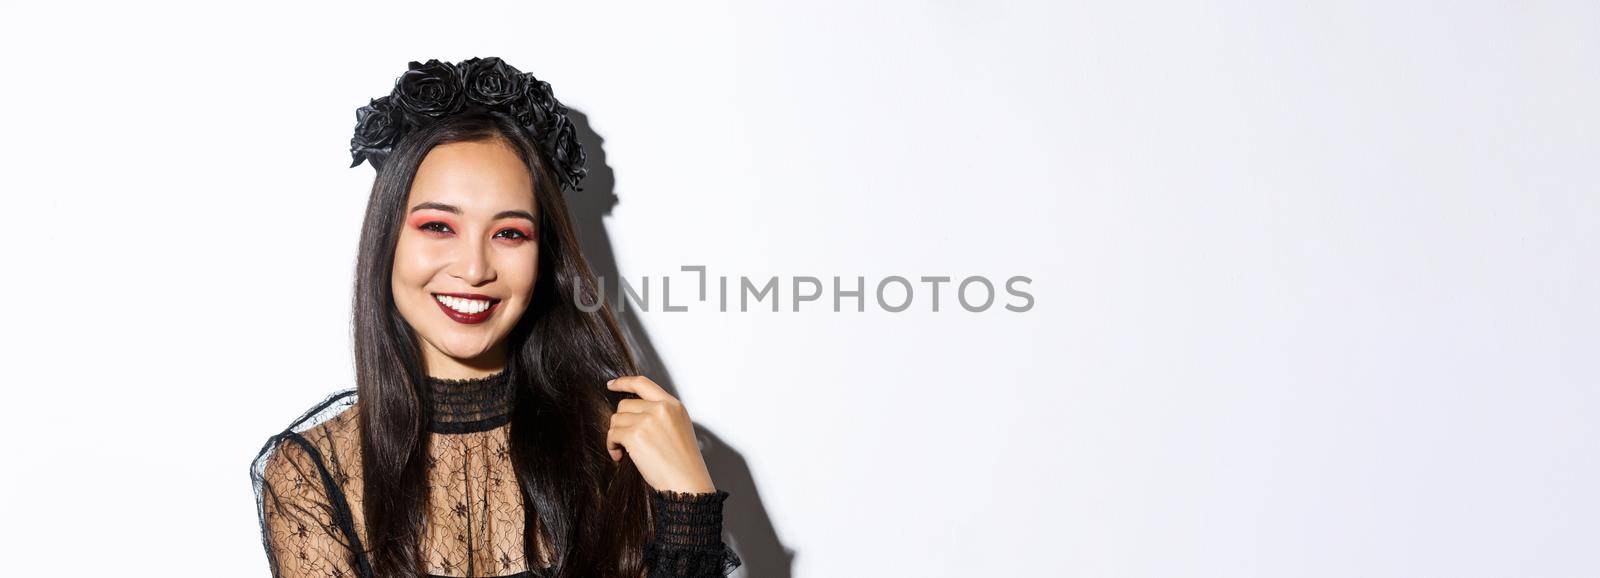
point(414, 264)
point(520, 272)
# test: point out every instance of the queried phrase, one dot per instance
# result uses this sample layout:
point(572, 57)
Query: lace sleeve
point(688, 537)
point(301, 520)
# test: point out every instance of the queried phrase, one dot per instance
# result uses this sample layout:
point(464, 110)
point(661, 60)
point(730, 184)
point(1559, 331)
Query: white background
point(1314, 285)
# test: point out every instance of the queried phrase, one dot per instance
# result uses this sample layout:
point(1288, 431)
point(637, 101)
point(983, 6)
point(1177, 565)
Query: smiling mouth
point(466, 308)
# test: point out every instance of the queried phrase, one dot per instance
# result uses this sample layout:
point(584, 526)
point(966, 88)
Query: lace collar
point(468, 405)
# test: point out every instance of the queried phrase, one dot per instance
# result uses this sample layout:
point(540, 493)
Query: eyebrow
point(452, 209)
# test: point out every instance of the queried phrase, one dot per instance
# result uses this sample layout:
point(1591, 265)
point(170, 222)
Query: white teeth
point(468, 306)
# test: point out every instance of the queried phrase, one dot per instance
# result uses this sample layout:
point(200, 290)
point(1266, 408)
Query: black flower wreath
point(428, 91)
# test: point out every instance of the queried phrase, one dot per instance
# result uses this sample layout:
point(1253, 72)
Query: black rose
point(432, 89)
point(377, 129)
point(545, 118)
point(528, 108)
point(490, 81)
point(566, 152)
point(539, 93)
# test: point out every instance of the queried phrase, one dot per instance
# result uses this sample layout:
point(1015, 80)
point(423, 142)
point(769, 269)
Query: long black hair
point(591, 511)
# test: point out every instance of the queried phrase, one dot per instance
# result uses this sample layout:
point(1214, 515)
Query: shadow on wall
point(746, 523)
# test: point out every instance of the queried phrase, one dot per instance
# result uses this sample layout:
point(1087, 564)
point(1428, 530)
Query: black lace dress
point(308, 492)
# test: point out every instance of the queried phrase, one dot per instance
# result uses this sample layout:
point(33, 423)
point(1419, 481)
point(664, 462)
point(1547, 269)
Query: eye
point(515, 234)
point(435, 226)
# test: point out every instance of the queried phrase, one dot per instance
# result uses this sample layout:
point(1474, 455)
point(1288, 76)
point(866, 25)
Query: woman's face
point(468, 255)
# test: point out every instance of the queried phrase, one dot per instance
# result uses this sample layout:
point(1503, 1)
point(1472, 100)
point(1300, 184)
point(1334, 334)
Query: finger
point(615, 441)
point(634, 406)
point(639, 385)
point(625, 419)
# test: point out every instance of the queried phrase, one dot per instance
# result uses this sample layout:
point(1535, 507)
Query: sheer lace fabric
point(309, 496)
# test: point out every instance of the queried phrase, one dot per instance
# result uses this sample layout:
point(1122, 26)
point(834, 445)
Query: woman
point(496, 428)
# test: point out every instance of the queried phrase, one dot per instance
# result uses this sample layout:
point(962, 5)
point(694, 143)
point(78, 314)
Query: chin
point(464, 348)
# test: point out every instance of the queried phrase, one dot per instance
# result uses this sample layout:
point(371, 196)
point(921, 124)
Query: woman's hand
point(655, 430)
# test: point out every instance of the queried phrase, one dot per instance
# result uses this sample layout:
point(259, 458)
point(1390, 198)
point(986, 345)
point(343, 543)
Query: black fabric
point(688, 536)
point(308, 496)
point(467, 405)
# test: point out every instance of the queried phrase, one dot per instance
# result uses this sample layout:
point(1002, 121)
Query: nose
point(474, 266)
